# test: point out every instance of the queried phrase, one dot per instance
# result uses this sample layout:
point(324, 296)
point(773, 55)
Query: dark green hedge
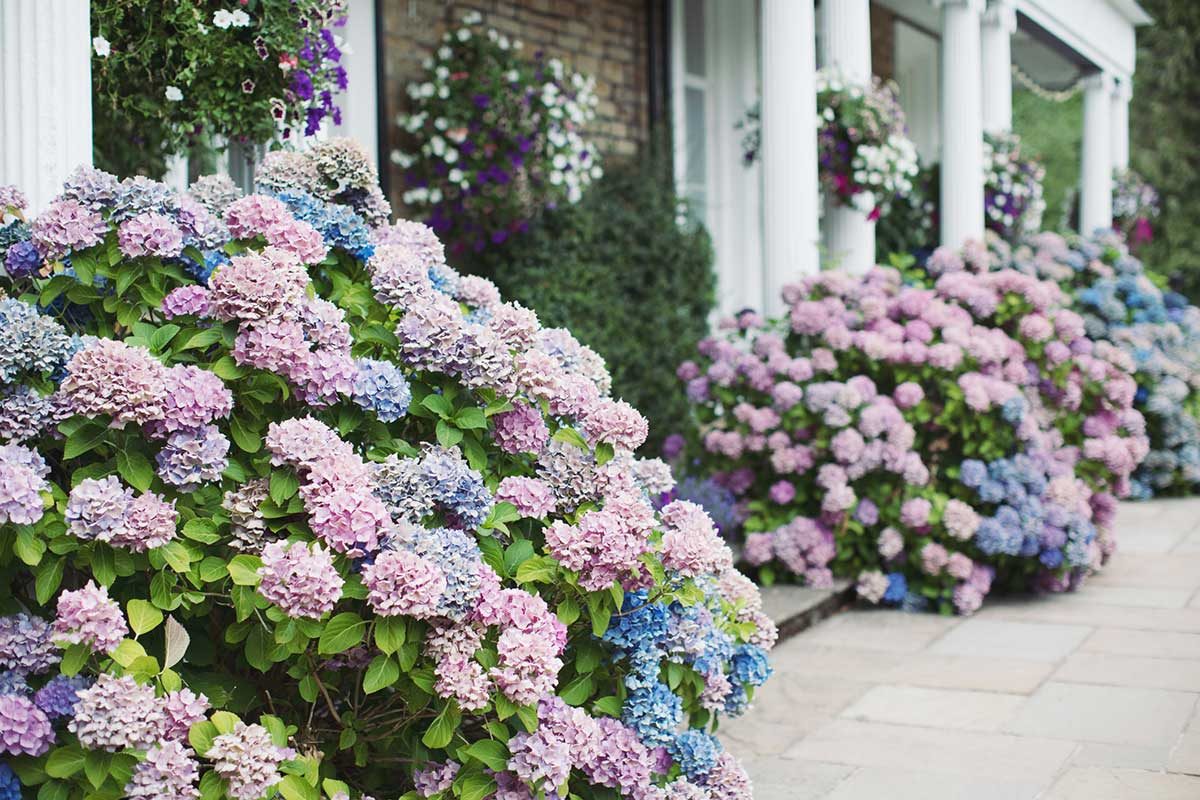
point(626, 279)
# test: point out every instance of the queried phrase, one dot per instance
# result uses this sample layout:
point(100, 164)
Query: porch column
point(1095, 192)
point(45, 94)
point(962, 127)
point(1122, 94)
point(789, 144)
point(360, 101)
point(846, 50)
point(999, 24)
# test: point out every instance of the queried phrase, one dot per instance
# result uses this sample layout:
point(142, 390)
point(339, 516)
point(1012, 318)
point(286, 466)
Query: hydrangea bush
point(1013, 202)
point(928, 441)
point(496, 137)
point(288, 506)
point(866, 159)
point(1158, 330)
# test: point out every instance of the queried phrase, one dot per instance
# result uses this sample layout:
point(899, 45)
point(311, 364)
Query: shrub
point(623, 243)
point(926, 441)
point(286, 504)
point(497, 137)
point(1158, 330)
point(256, 73)
point(1135, 207)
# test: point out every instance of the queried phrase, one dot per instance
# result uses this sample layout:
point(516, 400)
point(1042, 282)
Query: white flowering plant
point(495, 137)
point(866, 158)
point(1012, 187)
point(253, 71)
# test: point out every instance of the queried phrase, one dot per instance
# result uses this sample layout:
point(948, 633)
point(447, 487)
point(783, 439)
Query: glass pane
point(693, 36)
point(697, 144)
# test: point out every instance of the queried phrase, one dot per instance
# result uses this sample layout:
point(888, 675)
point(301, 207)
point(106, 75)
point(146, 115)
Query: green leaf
point(609, 706)
point(441, 731)
point(577, 691)
point(448, 435)
point(470, 418)
point(177, 555)
point(475, 786)
point(568, 611)
point(95, 766)
point(491, 753)
point(283, 485)
point(143, 617)
point(163, 336)
point(539, 569)
point(382, 672)
point(65, 761)
point(516, 554)
point(83, 440)
point(570, 436)
point(341, 633)
point(104, 564)
point(599, 612)
point(49, 578)
point(244, 568)
point(53, 790)
point(200, 339)
point(245, 438)
point(604, 453)
point(294, 787)
point(136, 469)
point(30, 548)
point(438, 404)
point(529, 717)
point(74, 657)
point(390, 633)
point(127, 651)
point(225, 721)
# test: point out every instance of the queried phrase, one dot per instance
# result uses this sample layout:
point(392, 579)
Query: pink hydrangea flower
point(150, 234)
point(534, 498)
point(300, 579)
point(89, 616)
point(400, 582)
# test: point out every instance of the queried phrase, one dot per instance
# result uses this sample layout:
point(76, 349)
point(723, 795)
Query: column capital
point(1099, 81)
point(1123, 89)
point(969, 5)
point(1002, 14)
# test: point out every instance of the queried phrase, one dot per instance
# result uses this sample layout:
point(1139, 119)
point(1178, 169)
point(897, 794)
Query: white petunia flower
point(222, 19)
point(101, 46)
point(173, 94)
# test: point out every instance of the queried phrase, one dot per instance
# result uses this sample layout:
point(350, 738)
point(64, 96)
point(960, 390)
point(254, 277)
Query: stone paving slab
point(1088, 696)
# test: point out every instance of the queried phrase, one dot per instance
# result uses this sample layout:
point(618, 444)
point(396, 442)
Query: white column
point(1122, 94)
point(789, 144)
point(962, 127)
point(846, 49)
point(999, 24)
point(45, 94)
point(1095, 193)
point(360, 101)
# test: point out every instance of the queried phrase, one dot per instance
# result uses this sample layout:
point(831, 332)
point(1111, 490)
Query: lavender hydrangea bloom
point(88, 616)
point(192, 457)
point(301, 580)
point(13, 683)
point(24, 728)
point(380, 387)
point(168, 772)
point(115, 713)
point(26, 645)
point(96, 508)
point(59, 696)
point(248, 760)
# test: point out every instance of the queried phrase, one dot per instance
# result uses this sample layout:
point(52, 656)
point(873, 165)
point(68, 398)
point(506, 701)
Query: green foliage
point(1053, 133)
point(193, 70)
point(625, 277)
point(1164, 120)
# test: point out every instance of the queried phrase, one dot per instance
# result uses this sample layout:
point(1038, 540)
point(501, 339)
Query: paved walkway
point(1088, 696)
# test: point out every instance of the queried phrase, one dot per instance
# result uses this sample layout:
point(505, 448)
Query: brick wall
point(883, 42)
point(604, 38)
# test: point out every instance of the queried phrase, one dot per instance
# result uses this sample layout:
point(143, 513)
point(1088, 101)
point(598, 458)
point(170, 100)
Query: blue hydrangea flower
point(750, 665)
point(22, 260)
point(654, 713)
point(972, 472)
point(696, 753)
point(29, 341)
point(58, 697)
point(897, 588)
point(12, 682)
point(10, 787)
point(381, 388)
